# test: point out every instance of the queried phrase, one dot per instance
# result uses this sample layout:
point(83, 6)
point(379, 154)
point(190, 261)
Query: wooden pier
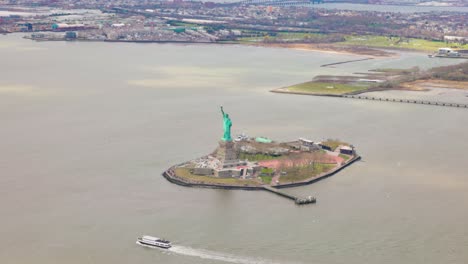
point(297, 200)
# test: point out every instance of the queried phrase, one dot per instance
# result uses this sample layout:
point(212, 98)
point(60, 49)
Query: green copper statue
point(227, 126)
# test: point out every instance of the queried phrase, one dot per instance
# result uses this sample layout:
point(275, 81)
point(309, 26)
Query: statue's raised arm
point(222, 111)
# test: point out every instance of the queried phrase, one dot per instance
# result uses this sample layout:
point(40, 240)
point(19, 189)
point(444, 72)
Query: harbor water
point(87, 128)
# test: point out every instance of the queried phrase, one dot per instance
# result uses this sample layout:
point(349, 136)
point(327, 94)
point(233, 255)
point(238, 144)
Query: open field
point(321, 88)
point(363, 44)
point(296, 174)
point(396, 42)
point(323, 47)
point(424, 85)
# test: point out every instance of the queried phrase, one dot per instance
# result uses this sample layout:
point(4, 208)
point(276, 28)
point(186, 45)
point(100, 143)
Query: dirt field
point(424, 85)
point(303, 160)
point(330, 48)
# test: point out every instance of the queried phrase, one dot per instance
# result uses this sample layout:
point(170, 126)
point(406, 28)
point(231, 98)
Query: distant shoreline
point(321, 47)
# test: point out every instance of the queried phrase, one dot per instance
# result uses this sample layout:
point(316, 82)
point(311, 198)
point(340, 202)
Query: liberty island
point(259, 163)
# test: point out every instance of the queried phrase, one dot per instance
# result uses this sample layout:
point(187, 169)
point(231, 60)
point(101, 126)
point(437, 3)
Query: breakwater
point(408, 101)
point(343, 62)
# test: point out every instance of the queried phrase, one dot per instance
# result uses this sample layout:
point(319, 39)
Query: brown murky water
point(87, 128)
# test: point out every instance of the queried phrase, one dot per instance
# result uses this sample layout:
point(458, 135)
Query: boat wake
point(206, 254)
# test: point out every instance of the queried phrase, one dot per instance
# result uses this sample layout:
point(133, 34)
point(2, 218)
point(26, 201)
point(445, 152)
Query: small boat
point(153, 242)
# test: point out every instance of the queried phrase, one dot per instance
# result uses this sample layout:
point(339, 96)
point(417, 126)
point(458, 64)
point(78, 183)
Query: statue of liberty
point(227, 126)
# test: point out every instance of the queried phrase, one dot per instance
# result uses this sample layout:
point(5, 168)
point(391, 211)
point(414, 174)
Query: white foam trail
point(206, 254)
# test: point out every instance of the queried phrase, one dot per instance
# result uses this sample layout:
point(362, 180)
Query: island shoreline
point(171, 177)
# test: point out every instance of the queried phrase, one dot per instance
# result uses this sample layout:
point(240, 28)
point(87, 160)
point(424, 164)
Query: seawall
point(170, 176)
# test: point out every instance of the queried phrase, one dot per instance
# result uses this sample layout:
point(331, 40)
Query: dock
point(297, 200)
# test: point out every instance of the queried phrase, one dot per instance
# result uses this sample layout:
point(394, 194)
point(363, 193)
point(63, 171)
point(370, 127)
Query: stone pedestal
point(231, 166)
point(226, 152)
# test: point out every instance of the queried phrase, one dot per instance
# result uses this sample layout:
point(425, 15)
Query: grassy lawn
point(298, 36)
point(250, 39)
point(334, 143)
point(267, 171)
point(256, 157)
point(182, 24)
point(345, 157)
point(185, 173)
point(326, 88)
point(297, 174)
point(396, 42)
point(266, 179)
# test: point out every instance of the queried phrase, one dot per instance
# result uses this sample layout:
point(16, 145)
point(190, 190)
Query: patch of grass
point(181, 23)
point(256, 157)
point(291, 36)
point(300, 173)
point(397, 42)
point(345, 157)
point(334, 143)
point(313, 87)
point(266, 179)
point(267, 171)
point(186, 174)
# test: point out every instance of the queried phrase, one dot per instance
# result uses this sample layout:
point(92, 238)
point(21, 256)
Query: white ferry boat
point(448, 53)
point(153, 242)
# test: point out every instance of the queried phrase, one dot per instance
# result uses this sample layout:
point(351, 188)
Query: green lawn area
point(266, 179)
point(326, 88)
point(250, 40)
point(267, 171)
point(396, 42)
point(181, 24)
point(256, 157)
point(298, 35)
point(185, 173)
point(297, 174)
point(345, 157)
point(334, 143)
